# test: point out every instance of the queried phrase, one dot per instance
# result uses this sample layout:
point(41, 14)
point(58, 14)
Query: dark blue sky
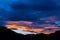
point(29, 10)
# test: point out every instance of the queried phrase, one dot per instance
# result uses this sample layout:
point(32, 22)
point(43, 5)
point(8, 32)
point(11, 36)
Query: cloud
point(29, 10)
point(26, 27)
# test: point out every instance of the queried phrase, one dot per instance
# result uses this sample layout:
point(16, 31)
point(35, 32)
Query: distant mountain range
point(4, 32)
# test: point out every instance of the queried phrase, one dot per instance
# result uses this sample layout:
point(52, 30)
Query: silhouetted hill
point(4, 32)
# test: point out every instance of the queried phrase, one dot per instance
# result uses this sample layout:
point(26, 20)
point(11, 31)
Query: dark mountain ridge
point(4, 32)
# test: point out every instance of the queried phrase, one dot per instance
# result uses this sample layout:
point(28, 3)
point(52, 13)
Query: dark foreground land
point(10, 35)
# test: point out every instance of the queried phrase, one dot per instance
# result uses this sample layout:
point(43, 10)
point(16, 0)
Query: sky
point(28, 10)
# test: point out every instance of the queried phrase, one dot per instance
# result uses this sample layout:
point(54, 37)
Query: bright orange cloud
point(24, 27)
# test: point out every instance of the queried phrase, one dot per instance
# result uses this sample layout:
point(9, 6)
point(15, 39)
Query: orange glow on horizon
point(13, 24)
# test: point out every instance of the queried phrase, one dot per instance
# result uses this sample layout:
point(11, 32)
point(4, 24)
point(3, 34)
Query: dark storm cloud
point(30, 9)
point(36, 5)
